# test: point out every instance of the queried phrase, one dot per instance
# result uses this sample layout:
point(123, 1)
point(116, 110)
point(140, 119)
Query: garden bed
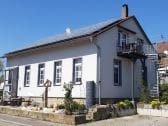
point(52, 117)
point(101, 112)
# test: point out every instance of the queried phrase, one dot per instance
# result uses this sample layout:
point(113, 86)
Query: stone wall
point(57, 118)
point(101, 112)
point(147, 109)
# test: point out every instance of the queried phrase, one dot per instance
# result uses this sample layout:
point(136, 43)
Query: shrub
point(81, 107)
point(164, 93)
point(61, 106)
point(128, 103)
point(75, 106)
point(121, 104)
point(144, 93)
point(68, 102)
point(155, 104)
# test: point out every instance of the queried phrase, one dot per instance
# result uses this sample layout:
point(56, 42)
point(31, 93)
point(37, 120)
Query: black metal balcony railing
point(130, 49)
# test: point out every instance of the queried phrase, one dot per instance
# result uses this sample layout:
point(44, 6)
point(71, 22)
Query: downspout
point(98, 68)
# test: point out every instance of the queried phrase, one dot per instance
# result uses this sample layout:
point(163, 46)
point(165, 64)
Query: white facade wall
point(107, 41)
point(65, 53)
point(151, 64)
point(85, 49)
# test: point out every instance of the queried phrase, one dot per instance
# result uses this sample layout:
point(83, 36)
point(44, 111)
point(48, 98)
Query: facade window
point(122, 38)
point(27, 76)
point(57, 73)
point(117, 73)
point(77, 70)
point(41, 73)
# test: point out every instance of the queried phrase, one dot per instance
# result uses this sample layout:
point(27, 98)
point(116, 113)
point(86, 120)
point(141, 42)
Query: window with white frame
point(41, 73)
point(117, 73)
point(57, 73)
point(27, 76)
point(122, 38)
point(77, 70)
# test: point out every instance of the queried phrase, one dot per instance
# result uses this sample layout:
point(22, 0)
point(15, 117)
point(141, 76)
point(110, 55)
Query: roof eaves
point(43, 45)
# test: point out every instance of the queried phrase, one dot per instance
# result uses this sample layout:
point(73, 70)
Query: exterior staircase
point(154, 91)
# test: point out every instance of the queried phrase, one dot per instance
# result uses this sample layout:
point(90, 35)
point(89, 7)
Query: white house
point(112, 54)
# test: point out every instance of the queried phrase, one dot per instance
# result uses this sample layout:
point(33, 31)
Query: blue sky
point(23, 22)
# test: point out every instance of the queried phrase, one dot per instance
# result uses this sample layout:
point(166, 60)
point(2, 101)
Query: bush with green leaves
point(61, 106)
point(155, 104)
point(70, 105)
point(128, 104)
point(81, 107)
point(68, 102)
point(144, 93)
point(164, 93)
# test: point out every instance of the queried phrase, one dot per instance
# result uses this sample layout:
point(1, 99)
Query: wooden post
point(46, 84)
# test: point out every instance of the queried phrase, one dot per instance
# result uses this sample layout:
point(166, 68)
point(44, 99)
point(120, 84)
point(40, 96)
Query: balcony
point(131, 50)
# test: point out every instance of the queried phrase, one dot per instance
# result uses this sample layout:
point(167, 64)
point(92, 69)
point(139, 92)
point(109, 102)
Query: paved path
point(132, 121)
point(7, 120)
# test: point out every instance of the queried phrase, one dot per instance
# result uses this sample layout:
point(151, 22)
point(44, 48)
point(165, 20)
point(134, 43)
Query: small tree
point(68, 98)
point(144, 93)
point(1, 78)
point(164, 92)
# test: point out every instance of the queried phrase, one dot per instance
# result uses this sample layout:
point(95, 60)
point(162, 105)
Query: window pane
point(77, 70)
point(58, 72)
point(41, 74)
point(117, 72)
point(27, 76)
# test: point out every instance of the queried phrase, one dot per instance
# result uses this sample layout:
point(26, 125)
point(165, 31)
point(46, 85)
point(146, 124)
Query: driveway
point(135, 120)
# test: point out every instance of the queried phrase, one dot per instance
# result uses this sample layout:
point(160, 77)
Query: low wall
point(125, 112)
point(52, 117)
point(148, 110)
point(102, 112)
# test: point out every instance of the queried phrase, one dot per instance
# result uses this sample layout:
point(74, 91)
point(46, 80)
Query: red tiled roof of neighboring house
point(162, 46)
point(163, 61)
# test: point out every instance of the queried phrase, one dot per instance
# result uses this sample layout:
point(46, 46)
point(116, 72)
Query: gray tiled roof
point(74, 34)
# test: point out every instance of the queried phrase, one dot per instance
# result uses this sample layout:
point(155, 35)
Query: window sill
point(78, 83)
point(40, 86)
point(26, 86)
point(117, 85)
point(57, 84)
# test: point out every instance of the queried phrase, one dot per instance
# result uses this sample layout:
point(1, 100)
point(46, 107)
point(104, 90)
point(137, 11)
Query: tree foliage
point(144, 93)
point(164, 92)
point(1, 78)
point(68, 98)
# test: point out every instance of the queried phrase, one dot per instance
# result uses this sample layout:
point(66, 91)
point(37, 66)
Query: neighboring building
point(112, 54)
point(162, 49)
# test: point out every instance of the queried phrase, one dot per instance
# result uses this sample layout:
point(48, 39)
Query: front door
point(14, 85)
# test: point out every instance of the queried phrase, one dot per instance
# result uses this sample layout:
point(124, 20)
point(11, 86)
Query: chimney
point(124, 11)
